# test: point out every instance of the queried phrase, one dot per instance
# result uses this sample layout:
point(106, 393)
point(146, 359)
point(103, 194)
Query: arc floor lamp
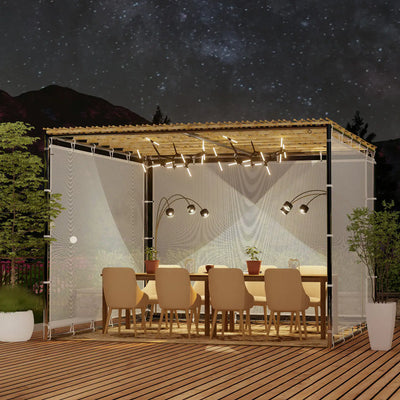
point(310, 195)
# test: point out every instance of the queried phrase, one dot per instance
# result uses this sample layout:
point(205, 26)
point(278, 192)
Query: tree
point(24, 207)
point(360, 128)
point(159, 118)
point(385, 183)
point(375, 237)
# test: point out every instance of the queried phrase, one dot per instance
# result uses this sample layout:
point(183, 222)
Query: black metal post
point(148, 209)
point(46, 234)
point(329, 226)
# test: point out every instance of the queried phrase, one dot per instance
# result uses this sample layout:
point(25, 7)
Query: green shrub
point(17, 298)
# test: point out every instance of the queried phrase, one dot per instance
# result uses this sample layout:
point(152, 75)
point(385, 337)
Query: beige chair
point(150, 290)
point(199, 286)
point(257, 289)
point(228, 293)
point(313, 288)
point(121, 291)
point(176, 293)
point(284, 292)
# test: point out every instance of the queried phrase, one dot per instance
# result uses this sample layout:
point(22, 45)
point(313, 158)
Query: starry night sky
point(213, 60)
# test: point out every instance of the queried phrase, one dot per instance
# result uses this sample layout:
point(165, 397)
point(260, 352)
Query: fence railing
point(28, 273)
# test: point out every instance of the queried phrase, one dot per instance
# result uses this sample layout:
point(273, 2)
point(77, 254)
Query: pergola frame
point(160, 145)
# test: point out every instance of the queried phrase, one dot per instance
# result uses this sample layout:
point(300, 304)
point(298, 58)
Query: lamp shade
point(287, 205)
point(191, 209)
point(204, 213)
point(284, 211)
point(303, 209)
point(170, 212)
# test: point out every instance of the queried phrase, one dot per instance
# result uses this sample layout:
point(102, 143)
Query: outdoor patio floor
point(94, 369)
point(179, 335)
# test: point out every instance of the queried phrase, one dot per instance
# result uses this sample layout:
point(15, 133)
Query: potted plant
point(254, 264)
point(151, 261)
point(17, 308)
point(375, 238)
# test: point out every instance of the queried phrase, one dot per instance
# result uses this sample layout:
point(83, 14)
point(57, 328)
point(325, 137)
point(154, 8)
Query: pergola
point(303, 138)
point(255, 144)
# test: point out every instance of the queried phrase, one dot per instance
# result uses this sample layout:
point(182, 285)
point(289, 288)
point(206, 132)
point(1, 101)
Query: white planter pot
point(16, 326)
point(380, 322)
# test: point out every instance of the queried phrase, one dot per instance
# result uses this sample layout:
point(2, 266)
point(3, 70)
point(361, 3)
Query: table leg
point(323, 309)
point(104, 311)
point(227, 316)
point(231, 321)
point(128, 318)
point(206, 309)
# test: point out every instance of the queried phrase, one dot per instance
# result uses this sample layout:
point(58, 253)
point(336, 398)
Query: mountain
point(10, 109)
point(55, 106)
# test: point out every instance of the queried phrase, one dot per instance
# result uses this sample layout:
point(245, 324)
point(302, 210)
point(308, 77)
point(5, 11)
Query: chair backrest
point(313, 288)
point(173, 288)
point(120, 287)
point(227, 289)
point(199, 286)
point(258, 288)
point(151, 285)
point(263, 268)
point(284, 290)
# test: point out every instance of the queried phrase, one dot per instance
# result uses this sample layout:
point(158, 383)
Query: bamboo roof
point(300, 138)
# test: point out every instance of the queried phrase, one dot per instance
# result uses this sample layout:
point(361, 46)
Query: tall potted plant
point(375, 237)
point(25, 209)
point(151, 261)
point(254, 264)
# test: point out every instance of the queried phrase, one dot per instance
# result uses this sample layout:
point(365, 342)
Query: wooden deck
point(79, 369)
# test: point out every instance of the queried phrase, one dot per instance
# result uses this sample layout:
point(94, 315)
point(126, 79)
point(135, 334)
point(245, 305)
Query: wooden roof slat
point(300, 136)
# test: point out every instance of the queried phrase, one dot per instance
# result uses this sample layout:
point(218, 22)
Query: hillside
point(55, 106)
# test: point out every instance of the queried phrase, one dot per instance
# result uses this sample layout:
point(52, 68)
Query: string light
point(257, 158)
point(230, 139)
point(152, 141)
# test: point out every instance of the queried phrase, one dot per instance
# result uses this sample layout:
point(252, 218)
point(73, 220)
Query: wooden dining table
point(322, 279)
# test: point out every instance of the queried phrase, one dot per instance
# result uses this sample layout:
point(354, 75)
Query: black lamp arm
point(315, 196)
point(308, 193)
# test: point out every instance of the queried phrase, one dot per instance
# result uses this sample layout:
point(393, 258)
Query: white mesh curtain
point(244, 205)
point(352, 179)
point(103, 201)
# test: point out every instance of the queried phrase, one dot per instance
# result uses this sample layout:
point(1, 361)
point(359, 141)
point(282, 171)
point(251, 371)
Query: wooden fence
point(28, 273)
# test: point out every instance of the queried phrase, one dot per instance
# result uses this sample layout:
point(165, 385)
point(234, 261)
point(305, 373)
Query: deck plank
point(85, 369)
